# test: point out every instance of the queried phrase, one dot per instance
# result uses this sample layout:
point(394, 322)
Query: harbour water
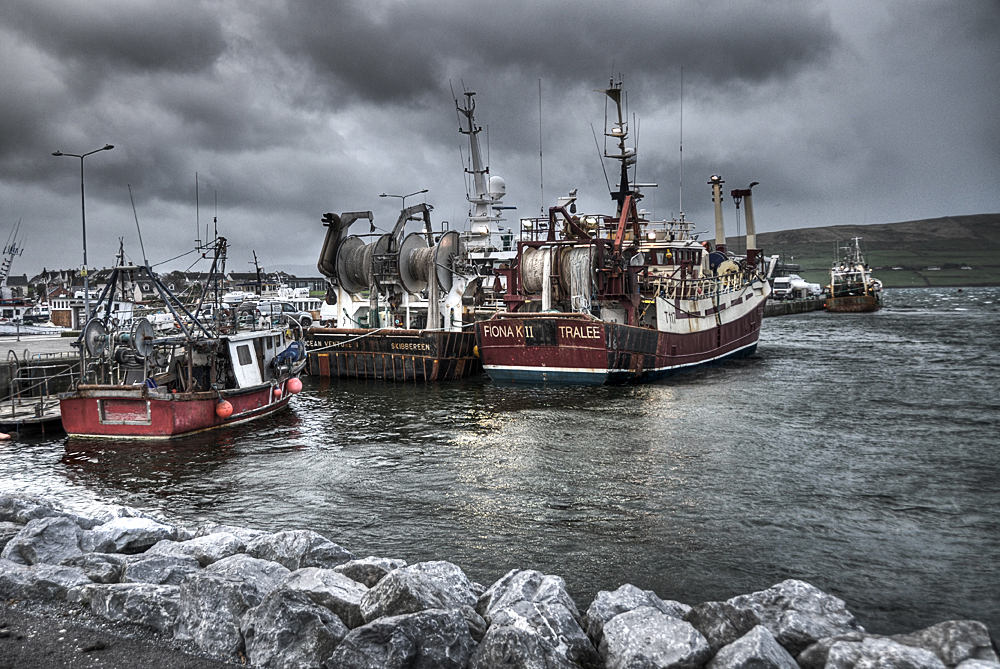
point(855, 451)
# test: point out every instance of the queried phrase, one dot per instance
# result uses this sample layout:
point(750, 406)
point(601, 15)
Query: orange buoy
point(277, 392)
point(294, 386)
point(4, 436)
point(223, 409)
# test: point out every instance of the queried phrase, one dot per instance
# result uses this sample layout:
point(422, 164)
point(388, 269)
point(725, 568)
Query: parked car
point(283, 312)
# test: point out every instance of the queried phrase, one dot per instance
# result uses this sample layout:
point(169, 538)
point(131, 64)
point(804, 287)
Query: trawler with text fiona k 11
point(137, 385)
point(618, 299)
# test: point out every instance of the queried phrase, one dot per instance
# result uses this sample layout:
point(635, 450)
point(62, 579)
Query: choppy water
point(858, 452)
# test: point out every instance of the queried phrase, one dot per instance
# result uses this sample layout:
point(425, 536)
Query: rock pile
point(294, 599)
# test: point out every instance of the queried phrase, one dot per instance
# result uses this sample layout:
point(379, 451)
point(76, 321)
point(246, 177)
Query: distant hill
point(949, 251)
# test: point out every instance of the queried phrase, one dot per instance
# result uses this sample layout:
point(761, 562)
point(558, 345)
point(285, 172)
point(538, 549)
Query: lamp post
point(83, 217)
point(403, 197)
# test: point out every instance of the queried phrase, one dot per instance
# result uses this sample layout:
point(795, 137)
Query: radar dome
point(498, 187)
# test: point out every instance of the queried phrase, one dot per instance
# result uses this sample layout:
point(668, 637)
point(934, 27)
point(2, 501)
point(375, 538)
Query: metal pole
point(86, 274)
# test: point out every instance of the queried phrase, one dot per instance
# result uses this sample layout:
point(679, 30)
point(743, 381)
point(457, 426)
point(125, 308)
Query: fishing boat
point(139, 385)
point(852, 288)
point(405, 303)
point(619, 299)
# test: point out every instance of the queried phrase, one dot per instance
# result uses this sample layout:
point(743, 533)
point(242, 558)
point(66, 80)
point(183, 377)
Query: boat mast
point(625, 155)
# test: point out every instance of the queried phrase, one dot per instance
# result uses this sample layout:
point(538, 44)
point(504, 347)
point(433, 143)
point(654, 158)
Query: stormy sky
point(849, 111)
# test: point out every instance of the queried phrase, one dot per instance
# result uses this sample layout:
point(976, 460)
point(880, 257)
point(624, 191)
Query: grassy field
point(965, 250)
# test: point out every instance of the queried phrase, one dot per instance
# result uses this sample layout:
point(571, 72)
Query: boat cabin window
point(277, 340)
point(268, 342)
point(243, 351)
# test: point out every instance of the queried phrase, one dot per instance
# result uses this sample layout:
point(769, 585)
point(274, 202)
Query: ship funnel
point(746, 195)
point(715, 181)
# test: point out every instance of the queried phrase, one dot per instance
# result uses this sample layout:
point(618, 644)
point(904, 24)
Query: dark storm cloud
point(392, 51)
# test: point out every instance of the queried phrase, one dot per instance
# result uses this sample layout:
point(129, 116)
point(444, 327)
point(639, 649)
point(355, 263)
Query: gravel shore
point(36, 635)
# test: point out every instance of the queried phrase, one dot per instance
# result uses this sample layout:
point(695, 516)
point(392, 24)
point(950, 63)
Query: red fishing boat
point(602, 299)
point(207, 376)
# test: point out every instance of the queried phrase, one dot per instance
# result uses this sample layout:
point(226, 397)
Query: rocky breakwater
point(296, 599)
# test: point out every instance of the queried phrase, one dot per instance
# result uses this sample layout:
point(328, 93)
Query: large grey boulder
point(798, 614)
point(214, 600)
point(298, 548)
point(721, 623)
point(421, 586)
point(537, 604)
point(287, 631)
point(22, 509)
point(609, 604)
point(126, 535)
point(880, 653)
point(98, 567)
point(332, 590)
point(245, 534)
point(8, 531)
point(153, 606)
point(49, 581)
point(505, 646)
point(815, 655)
point(49, 540)
point(431, 639)
point(648, 637)
point(756, 649)
point(206, 550)
point(370, 570)
point(14, 580)
point(977, 664)
point(158, 569)
point(953, 641)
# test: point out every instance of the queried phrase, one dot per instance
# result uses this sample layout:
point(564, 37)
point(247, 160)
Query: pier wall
point(294, 598)
point(787, 307)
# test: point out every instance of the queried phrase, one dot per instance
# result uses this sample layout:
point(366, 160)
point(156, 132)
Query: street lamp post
point(403, 197)
point(83, 217)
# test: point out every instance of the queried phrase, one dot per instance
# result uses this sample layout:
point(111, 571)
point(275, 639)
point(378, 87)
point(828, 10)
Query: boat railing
point(673, 287)
point(38, 384)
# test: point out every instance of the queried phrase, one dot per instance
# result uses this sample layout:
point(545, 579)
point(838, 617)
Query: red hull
point(136, 413)
point(570, 348)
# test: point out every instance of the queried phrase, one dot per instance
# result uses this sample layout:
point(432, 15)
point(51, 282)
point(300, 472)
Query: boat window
point(243, 351)
point(268, 342)
point(277, 340)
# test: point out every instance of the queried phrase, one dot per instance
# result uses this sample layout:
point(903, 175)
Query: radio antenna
point(680, 186)
point(541, 171)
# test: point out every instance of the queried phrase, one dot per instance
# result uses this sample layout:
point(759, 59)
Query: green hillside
point(965, 250)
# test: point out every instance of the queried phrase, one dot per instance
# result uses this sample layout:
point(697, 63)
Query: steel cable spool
point(577, 275)
point(533, 263)
point(414, 262)
point(444, 258)
point(354, 264)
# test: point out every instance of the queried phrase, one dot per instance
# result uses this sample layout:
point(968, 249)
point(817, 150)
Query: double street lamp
point(83, 215)
point(403, 197)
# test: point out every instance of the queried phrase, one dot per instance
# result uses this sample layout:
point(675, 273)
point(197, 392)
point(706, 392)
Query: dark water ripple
point(858, 452)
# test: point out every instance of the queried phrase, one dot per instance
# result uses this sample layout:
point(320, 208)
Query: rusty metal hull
point(853, 304)
point(575, 349)
point(136, 412)
point(392, 355)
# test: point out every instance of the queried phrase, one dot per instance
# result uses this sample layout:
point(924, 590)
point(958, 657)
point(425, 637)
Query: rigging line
point(138, 229)
point(175, 258)
point(600, 158)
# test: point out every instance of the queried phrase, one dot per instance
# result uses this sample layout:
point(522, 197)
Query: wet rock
point(477, 626)
point(332, 590)
point(154, 606)
point(814, 656)
point(609, 604)
point(977, 664)
point(14, 580)
point(126, 535)
point(756, 649)
point(798, 614)
point(49, 581)
point(370, 570)
point(287, 630)
point(537, 604)
point(245, 534)
point(421, 586)
point(880, 653)
point(953, 641)
point(48, 540)
point(8, 531)
point(431, 639)
point(721, 623)
point(213, 601)
point(648, 637)
point(98, 567)
point(206, 550)
point(296, 549)
point(514, 647)
point(21, 510)
point(158, 569)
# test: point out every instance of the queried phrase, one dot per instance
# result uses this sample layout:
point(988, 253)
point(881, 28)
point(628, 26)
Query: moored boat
point(852, 289)
point(138, 385)
point(615, 299)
